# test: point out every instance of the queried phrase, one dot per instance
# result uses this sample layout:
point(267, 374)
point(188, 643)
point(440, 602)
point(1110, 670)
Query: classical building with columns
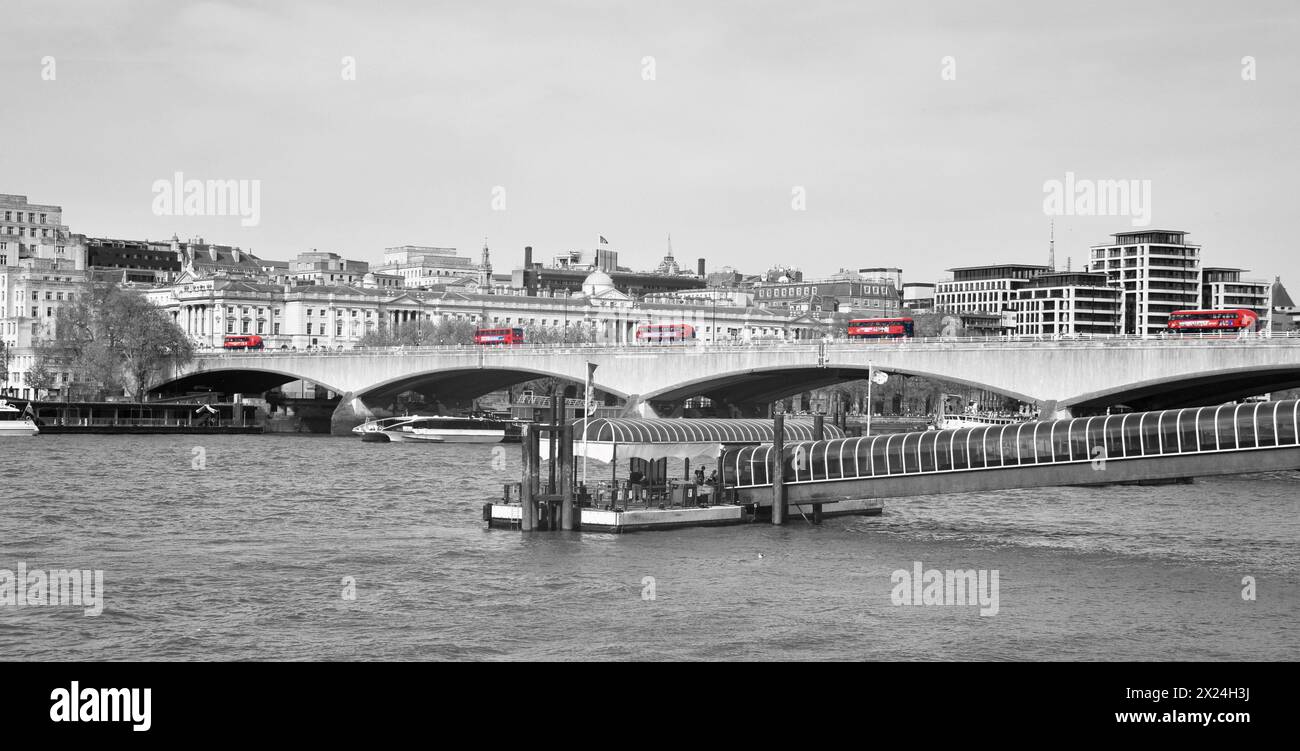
point(337, 316)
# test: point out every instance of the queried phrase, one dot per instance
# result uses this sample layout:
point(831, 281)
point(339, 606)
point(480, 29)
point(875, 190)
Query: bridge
point(1063, 377)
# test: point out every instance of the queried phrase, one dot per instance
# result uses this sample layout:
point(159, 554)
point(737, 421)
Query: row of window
point(1084, 439)
point(17, 216)
point(812, 290)
point(30, 231)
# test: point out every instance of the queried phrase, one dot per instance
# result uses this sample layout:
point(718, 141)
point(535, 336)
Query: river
point(246, 547)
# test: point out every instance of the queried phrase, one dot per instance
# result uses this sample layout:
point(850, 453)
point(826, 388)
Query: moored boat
point(16, 422)
point(439, 429)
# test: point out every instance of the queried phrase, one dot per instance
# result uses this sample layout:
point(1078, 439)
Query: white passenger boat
point(439, 429)
point(952, 415)
point(16, 422)
point(972, 420)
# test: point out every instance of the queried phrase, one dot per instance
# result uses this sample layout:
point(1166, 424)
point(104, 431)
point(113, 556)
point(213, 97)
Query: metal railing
point(1203, 430)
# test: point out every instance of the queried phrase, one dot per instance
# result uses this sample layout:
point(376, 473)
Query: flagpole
point(586, 421)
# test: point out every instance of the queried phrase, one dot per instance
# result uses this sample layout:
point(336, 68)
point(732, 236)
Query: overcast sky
point(549, 100)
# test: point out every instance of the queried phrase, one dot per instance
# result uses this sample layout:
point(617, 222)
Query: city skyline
point(898, 165)
point(686, 264)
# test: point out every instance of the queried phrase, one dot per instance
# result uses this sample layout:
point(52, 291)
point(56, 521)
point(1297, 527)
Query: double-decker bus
point(661, 333)
point(880, 328)
point(498, 336)
point(1212, 321)
point(242, 341)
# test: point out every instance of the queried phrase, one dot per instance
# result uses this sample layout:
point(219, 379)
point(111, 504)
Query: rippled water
point(246, 558)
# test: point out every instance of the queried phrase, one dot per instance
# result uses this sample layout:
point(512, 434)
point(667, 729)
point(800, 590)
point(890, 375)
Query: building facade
point(1286, 316)
point(338, 316)
point(1224, 288)
point(132, 260)
point(918, 296)
point(422, 266)
point(984, 289)
point(1157, 271)
point(867, 299)
point(1067, 304)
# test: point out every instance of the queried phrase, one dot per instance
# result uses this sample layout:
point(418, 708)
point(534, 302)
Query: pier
point(786, 469)
point(665, 485)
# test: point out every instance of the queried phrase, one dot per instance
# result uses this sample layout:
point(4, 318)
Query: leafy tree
point(572, 334)
point(114, 340)
point(43, 375)
point(931, 323)
point(422, 333)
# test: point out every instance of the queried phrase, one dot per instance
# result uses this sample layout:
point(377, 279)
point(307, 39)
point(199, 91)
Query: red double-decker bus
point(660, 333)
point(1212, 321)
point(242, 341)
point(498, 336)
point(880, 328)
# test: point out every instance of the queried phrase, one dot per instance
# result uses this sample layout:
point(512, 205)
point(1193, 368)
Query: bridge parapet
point(1058, 374)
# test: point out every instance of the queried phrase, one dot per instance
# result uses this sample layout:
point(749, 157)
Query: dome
point(596, 283)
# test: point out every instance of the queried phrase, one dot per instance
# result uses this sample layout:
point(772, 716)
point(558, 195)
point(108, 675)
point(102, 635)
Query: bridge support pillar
point(638, 407)
point(350, 413)
point(1051, 409)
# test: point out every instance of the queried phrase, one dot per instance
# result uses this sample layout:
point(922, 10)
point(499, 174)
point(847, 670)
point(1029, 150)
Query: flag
point(603, 241)
point(590, 382)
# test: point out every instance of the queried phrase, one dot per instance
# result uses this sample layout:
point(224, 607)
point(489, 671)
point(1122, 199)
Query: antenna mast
point(1051, 247)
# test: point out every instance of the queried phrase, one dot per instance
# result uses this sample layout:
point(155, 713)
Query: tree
point(151, 344)
point(113, 340)
point(421, 333)
point(574, 333)
point(931, 323)
point(43, 375)
point(4, 367)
